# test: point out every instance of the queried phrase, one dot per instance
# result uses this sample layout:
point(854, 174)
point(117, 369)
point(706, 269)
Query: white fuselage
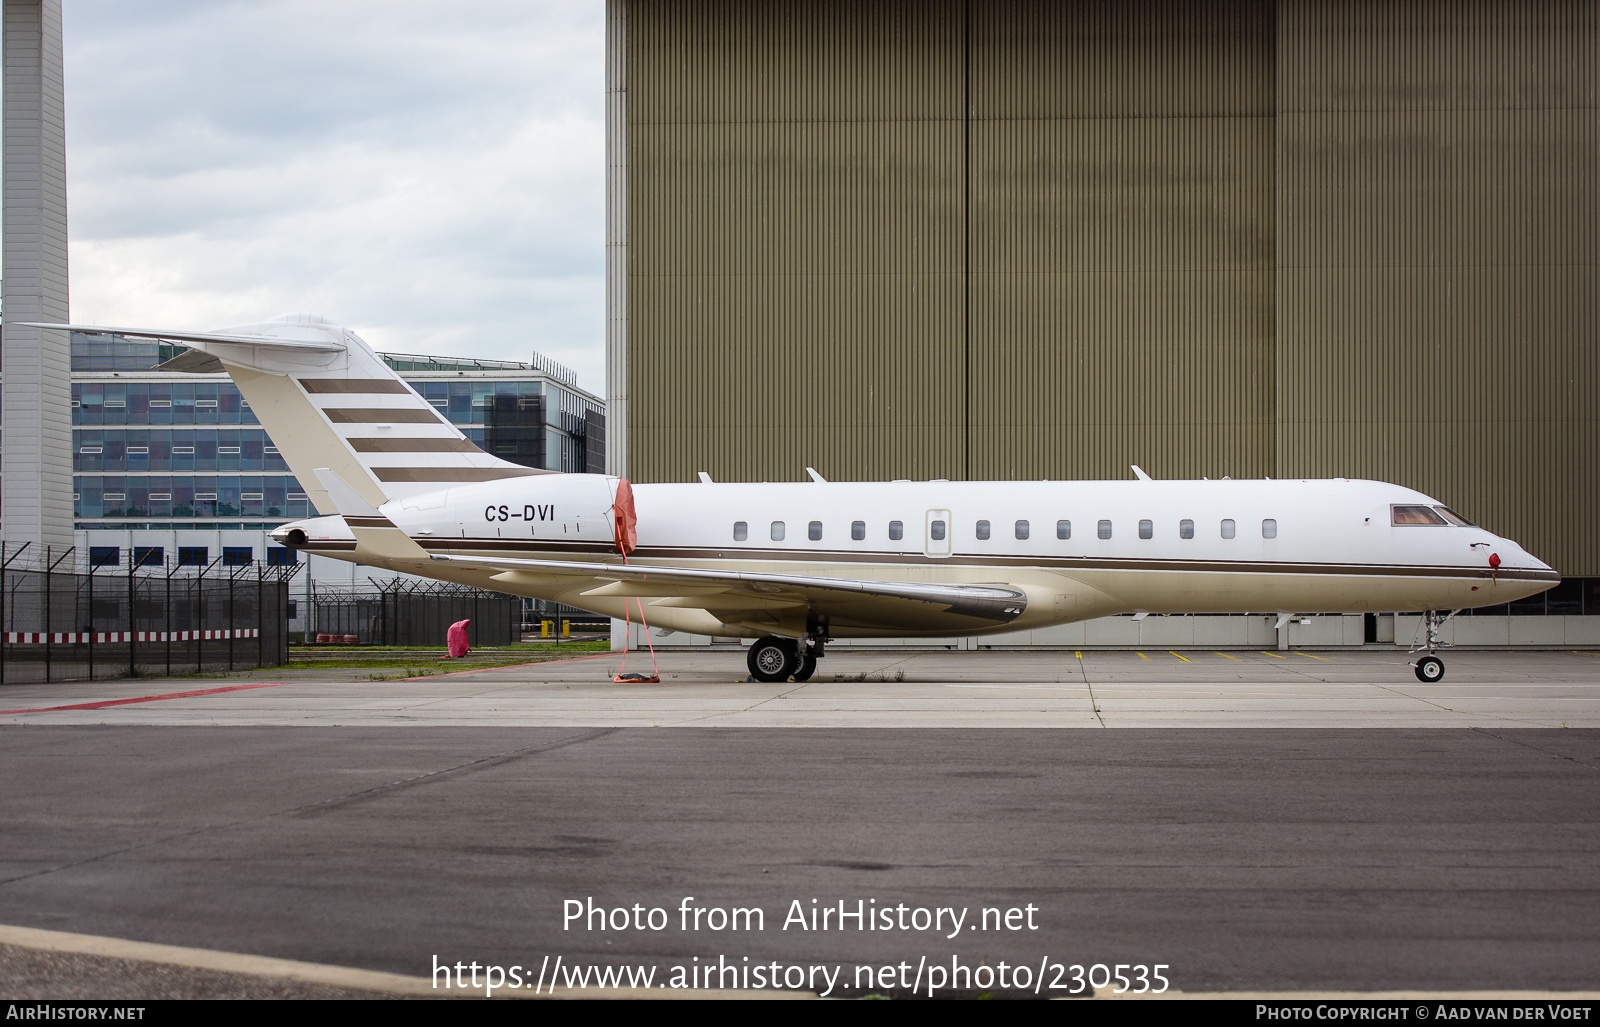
point(1333, 546)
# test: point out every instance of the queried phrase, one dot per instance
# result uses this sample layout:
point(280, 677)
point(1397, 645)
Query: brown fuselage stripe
point(445, 475)
point(382, 415)
point(413, 446)
point(532, 549)
point(354, 386)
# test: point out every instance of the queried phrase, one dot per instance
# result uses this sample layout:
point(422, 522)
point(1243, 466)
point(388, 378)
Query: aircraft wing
point(746, 596)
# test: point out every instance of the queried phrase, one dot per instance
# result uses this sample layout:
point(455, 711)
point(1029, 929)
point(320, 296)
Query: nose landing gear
point(1430, 668)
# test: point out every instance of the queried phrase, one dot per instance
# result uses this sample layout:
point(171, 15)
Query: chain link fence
point(64, 618)
point(411, 612)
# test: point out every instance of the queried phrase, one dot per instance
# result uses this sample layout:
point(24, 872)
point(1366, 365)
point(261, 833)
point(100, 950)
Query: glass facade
point(186, 451)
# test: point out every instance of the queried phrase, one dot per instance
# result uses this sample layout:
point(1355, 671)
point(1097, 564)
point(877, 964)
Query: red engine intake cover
point(626, 521)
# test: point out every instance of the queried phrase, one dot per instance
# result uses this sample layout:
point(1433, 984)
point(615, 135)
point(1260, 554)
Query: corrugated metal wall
point(795, 240)
point(1121, 214)
point(1437, 279)
point(1008, 239)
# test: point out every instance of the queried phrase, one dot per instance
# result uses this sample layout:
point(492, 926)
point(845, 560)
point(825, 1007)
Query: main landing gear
point(1430, 668)
point(774, 659)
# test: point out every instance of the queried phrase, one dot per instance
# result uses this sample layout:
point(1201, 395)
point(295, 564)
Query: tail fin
point(329, 401)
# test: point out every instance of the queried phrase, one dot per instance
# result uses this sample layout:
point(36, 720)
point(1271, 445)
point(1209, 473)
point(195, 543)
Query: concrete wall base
point(1204, 632)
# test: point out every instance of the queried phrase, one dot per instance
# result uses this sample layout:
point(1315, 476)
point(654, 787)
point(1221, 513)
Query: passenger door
point(936, 533)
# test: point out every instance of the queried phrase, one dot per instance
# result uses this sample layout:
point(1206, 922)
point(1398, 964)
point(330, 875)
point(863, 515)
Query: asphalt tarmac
point(1378, 835)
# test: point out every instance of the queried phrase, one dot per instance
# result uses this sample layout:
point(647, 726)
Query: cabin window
point(814, 531)
point(1186, 528)
point(1063, 529)
point(1105, 529)
point(1403, 515)
point(777, 531)
point(936, 531)
point(1020, 529)
point(983, 531)
point(858, 530)
point(1227, 528)
point(1269, 528)
point(741, 531)
point(1449, 515)
point(1147, 529)
point(897, 531)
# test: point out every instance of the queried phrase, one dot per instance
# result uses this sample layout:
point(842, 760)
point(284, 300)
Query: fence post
point(5, 561)
point(261, 617)
point(167, 621)
point(232, 577)
point(133, 624)
point(91, 615)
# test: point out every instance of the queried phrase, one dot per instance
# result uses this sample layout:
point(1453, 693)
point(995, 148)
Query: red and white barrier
point(73, 637)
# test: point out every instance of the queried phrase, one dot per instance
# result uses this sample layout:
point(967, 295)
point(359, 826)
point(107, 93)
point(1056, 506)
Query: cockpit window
point(1402, 515)
point(1454, 518)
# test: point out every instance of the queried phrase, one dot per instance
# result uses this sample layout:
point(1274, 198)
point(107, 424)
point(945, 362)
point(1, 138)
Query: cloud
point(431, 175)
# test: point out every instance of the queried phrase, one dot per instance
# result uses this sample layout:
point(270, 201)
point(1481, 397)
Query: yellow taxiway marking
point(1077, 653)
point(1308, 656)
point(1142, 656)
point(1185, 659)
point(1275, 656)
point(1225, 656)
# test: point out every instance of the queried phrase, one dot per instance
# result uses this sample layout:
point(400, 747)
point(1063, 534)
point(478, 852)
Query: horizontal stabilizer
point(377, 537)
point(346, 500)
point(275, 342)
point(192, 361)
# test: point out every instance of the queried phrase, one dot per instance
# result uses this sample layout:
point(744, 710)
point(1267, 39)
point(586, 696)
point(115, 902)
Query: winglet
point(819, 479)
point(1139, 473)
point(346, 500)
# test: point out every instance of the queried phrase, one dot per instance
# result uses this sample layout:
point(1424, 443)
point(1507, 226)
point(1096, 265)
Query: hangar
point(1016, 239)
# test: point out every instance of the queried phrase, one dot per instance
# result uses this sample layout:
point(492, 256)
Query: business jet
point(794, 565)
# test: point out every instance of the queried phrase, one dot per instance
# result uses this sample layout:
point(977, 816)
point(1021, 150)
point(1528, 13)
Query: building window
point(149, 556)
point(858, 530)
point(194, 556)
point(1269, 528)
point(105, 556)
point(1063, 529)
point(238, 556)
point(897, 530)
point(777, 531)
point(1020, 529)
point(1147, 529)
point(741, 531)
point(1105, 529)
point(1186, 528)
point(814, 531)
point(278, 556)
point(983, 531)
point(1227, 528)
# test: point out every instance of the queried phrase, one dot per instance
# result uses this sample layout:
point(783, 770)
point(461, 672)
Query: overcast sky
point(429, 174)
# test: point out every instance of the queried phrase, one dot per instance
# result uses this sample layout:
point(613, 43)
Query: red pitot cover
point(456, 638)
